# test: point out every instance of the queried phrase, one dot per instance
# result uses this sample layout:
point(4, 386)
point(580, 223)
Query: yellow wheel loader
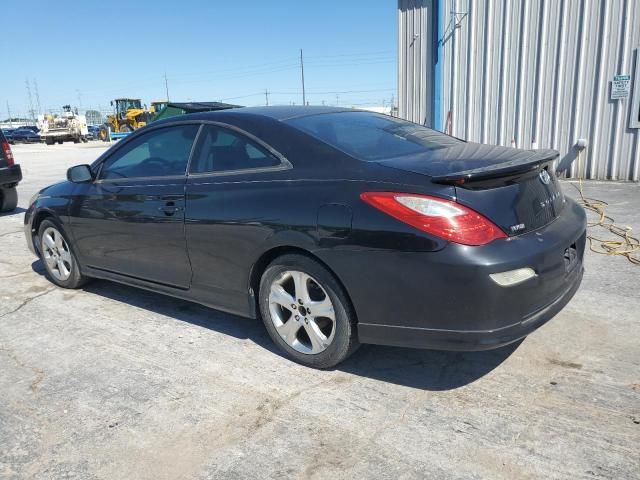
point(129, 115)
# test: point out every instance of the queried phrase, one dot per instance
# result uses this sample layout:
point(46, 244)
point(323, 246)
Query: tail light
point(436, 216)
point(7, 152)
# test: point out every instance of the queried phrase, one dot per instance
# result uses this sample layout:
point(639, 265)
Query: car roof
point(280, 113)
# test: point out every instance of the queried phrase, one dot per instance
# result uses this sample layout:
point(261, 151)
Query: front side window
point(158, 153)
point(220, 149)
point(370, 136)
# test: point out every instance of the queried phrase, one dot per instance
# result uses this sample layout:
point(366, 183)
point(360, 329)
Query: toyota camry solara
point(336, 227)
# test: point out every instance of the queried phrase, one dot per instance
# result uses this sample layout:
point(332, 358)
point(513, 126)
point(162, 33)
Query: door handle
point(169, 208)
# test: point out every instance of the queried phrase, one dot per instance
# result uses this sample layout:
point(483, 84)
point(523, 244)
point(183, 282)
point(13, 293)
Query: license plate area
point(570, 257)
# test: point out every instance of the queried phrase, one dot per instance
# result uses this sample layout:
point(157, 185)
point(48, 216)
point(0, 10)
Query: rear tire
point(8, 199)
point(307, 312)
point(60, 261)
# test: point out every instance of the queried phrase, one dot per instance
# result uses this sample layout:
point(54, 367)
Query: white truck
point(64, 127)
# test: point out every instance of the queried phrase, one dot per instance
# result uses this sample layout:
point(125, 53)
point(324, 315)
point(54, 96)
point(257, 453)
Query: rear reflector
point(436, 216)
point(512, 277)
point(7, 153)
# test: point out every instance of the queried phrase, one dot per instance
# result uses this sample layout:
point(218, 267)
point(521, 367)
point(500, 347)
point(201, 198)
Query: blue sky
point(88, 52)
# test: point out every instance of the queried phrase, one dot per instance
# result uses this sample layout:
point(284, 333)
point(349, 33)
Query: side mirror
point(80, 174)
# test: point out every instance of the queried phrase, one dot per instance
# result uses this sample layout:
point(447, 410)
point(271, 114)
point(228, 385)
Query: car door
point(130, 220)
point(230, 176)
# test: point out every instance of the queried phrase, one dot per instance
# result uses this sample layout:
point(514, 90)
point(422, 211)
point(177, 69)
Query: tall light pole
point(166, 85)
point(304, 98)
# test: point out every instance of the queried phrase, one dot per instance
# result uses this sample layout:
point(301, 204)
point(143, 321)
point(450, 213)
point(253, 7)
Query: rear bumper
point(467, 340)
point(446, 299)
point(10, 176)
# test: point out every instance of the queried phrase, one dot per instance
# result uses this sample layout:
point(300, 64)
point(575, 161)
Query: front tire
point(307, 312)
point(60, 262)
point(8, 199)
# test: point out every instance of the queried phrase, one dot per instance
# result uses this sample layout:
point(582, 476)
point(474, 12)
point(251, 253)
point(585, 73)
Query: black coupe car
point(336, 226)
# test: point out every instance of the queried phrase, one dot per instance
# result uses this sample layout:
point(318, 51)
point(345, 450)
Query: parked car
point(335, 226)
point(26, 135)
point(8, 134)
point(93, 132)
point(10, 176)
point(33, 128)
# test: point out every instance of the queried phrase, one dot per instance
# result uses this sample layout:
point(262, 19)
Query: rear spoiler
point(504, 171)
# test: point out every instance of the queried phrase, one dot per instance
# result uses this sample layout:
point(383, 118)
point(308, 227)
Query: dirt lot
point(112, 382)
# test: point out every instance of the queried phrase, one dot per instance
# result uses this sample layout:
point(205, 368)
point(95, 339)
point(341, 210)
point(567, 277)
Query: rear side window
point(158, 153)
point(221, 150)
point(370, 136)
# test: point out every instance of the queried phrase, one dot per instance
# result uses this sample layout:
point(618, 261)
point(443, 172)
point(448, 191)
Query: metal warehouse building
point(559, 74)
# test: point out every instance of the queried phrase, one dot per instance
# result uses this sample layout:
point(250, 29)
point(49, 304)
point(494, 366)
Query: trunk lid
point(516, 189)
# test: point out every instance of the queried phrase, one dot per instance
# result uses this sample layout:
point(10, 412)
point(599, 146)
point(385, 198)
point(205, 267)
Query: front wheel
point(58, 257)
point(307, 312)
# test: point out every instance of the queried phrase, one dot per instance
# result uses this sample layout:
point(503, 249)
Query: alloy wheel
point(302, 312)
point(56, 254)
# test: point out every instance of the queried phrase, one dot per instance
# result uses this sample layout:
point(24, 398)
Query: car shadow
point(422, 369)
point(16, 211)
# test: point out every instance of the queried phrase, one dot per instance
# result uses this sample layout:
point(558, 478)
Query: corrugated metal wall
point(415, 55)
point(539, 72)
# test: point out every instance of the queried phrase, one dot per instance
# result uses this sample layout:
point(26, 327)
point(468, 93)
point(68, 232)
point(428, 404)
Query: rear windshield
point(370, 136)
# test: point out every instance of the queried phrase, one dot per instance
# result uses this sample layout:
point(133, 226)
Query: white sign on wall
point(620, 87)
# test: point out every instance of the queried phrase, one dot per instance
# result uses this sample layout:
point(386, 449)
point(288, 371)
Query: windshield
point(370, 136)
point(127, 104)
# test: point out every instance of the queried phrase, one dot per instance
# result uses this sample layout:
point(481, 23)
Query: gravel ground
point(112, 382)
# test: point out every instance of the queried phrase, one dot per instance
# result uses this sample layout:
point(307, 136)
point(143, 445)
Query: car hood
point(63, 187)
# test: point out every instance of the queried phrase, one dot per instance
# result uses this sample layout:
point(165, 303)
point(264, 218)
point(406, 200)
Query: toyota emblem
point(545, 177)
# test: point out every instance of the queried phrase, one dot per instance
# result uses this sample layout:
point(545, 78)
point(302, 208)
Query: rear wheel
point(8, 199)
point(306, 312)
point(125, 128)
point(59, 260)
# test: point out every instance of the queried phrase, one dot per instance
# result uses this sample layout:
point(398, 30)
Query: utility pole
point(337, 99)
point(30, 98)
point(266, 97)
point(35, 86)
point(79, 94)
point(166, 85)
point(304, 99)
point(9, 112)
